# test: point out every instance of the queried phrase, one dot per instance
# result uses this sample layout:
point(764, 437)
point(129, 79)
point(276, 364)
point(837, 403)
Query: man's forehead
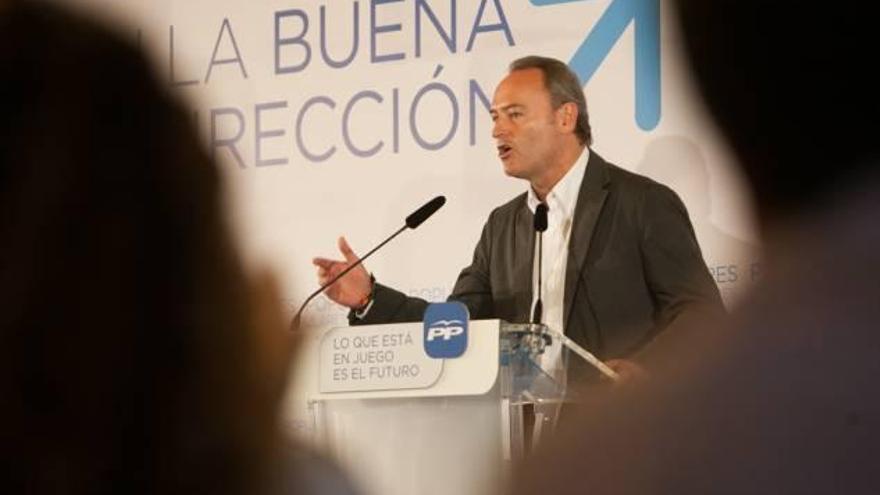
point(527, 76)
point(519, 88)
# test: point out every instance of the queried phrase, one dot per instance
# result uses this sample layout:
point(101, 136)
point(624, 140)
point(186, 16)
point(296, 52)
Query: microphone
point(541, 217)
point(417, 217)
point(412, 221)
point(540, 227)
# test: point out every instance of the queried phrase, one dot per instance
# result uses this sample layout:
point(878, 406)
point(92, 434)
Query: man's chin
point(511, 170)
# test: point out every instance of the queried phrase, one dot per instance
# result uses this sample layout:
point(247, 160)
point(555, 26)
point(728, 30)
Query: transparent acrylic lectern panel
point(533, 390)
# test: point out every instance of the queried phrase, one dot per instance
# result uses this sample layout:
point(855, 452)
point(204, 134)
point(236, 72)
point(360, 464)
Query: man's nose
point(498, 129)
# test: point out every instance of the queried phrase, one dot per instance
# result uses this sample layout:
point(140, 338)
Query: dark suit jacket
point(633, 265)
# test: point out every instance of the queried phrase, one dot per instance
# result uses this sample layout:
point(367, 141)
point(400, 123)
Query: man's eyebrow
point(506, 107)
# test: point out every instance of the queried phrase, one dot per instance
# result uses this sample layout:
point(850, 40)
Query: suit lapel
point(591, 198)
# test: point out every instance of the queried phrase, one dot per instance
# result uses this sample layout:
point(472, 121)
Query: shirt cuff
point(360, 315)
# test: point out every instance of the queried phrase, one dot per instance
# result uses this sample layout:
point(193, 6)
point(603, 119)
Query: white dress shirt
point(561, 202)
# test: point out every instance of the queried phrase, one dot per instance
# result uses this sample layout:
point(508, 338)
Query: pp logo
point(446, 330)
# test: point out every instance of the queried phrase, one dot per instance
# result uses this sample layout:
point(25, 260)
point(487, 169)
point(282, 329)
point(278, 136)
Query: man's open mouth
point(504, 151)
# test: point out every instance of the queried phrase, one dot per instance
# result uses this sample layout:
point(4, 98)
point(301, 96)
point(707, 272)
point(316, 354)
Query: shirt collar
point(563, 197)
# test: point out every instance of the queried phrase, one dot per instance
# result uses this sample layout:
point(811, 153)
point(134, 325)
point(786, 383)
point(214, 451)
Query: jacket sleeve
point(474, 287)
point(674, 269)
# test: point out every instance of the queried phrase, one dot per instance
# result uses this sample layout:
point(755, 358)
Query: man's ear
point(566, 117)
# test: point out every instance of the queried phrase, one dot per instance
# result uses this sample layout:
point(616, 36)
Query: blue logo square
point(446, 330)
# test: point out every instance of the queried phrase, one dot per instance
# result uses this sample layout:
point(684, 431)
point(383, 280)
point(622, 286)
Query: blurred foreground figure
point(786, 401)
point(136, 355)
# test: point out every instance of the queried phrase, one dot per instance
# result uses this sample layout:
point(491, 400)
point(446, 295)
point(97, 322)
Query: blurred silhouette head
point(791, 89)
point(129, 361)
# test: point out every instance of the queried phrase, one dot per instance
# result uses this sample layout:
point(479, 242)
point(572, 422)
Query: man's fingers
point(324, 263)
point(346, 250)
point(325, 276)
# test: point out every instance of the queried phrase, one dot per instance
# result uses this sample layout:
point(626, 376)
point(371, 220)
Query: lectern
point(402, 422)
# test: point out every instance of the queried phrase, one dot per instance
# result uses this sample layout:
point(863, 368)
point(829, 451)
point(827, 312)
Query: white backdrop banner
point(341, 117)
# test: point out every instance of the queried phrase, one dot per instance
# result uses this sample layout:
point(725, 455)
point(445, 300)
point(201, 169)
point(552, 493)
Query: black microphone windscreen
point(541, 217)
point(417, 217)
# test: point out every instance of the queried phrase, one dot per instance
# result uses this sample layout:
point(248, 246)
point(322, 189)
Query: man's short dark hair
point(563, 86)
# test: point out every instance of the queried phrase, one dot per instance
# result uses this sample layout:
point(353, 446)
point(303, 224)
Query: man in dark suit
point(626, 258)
